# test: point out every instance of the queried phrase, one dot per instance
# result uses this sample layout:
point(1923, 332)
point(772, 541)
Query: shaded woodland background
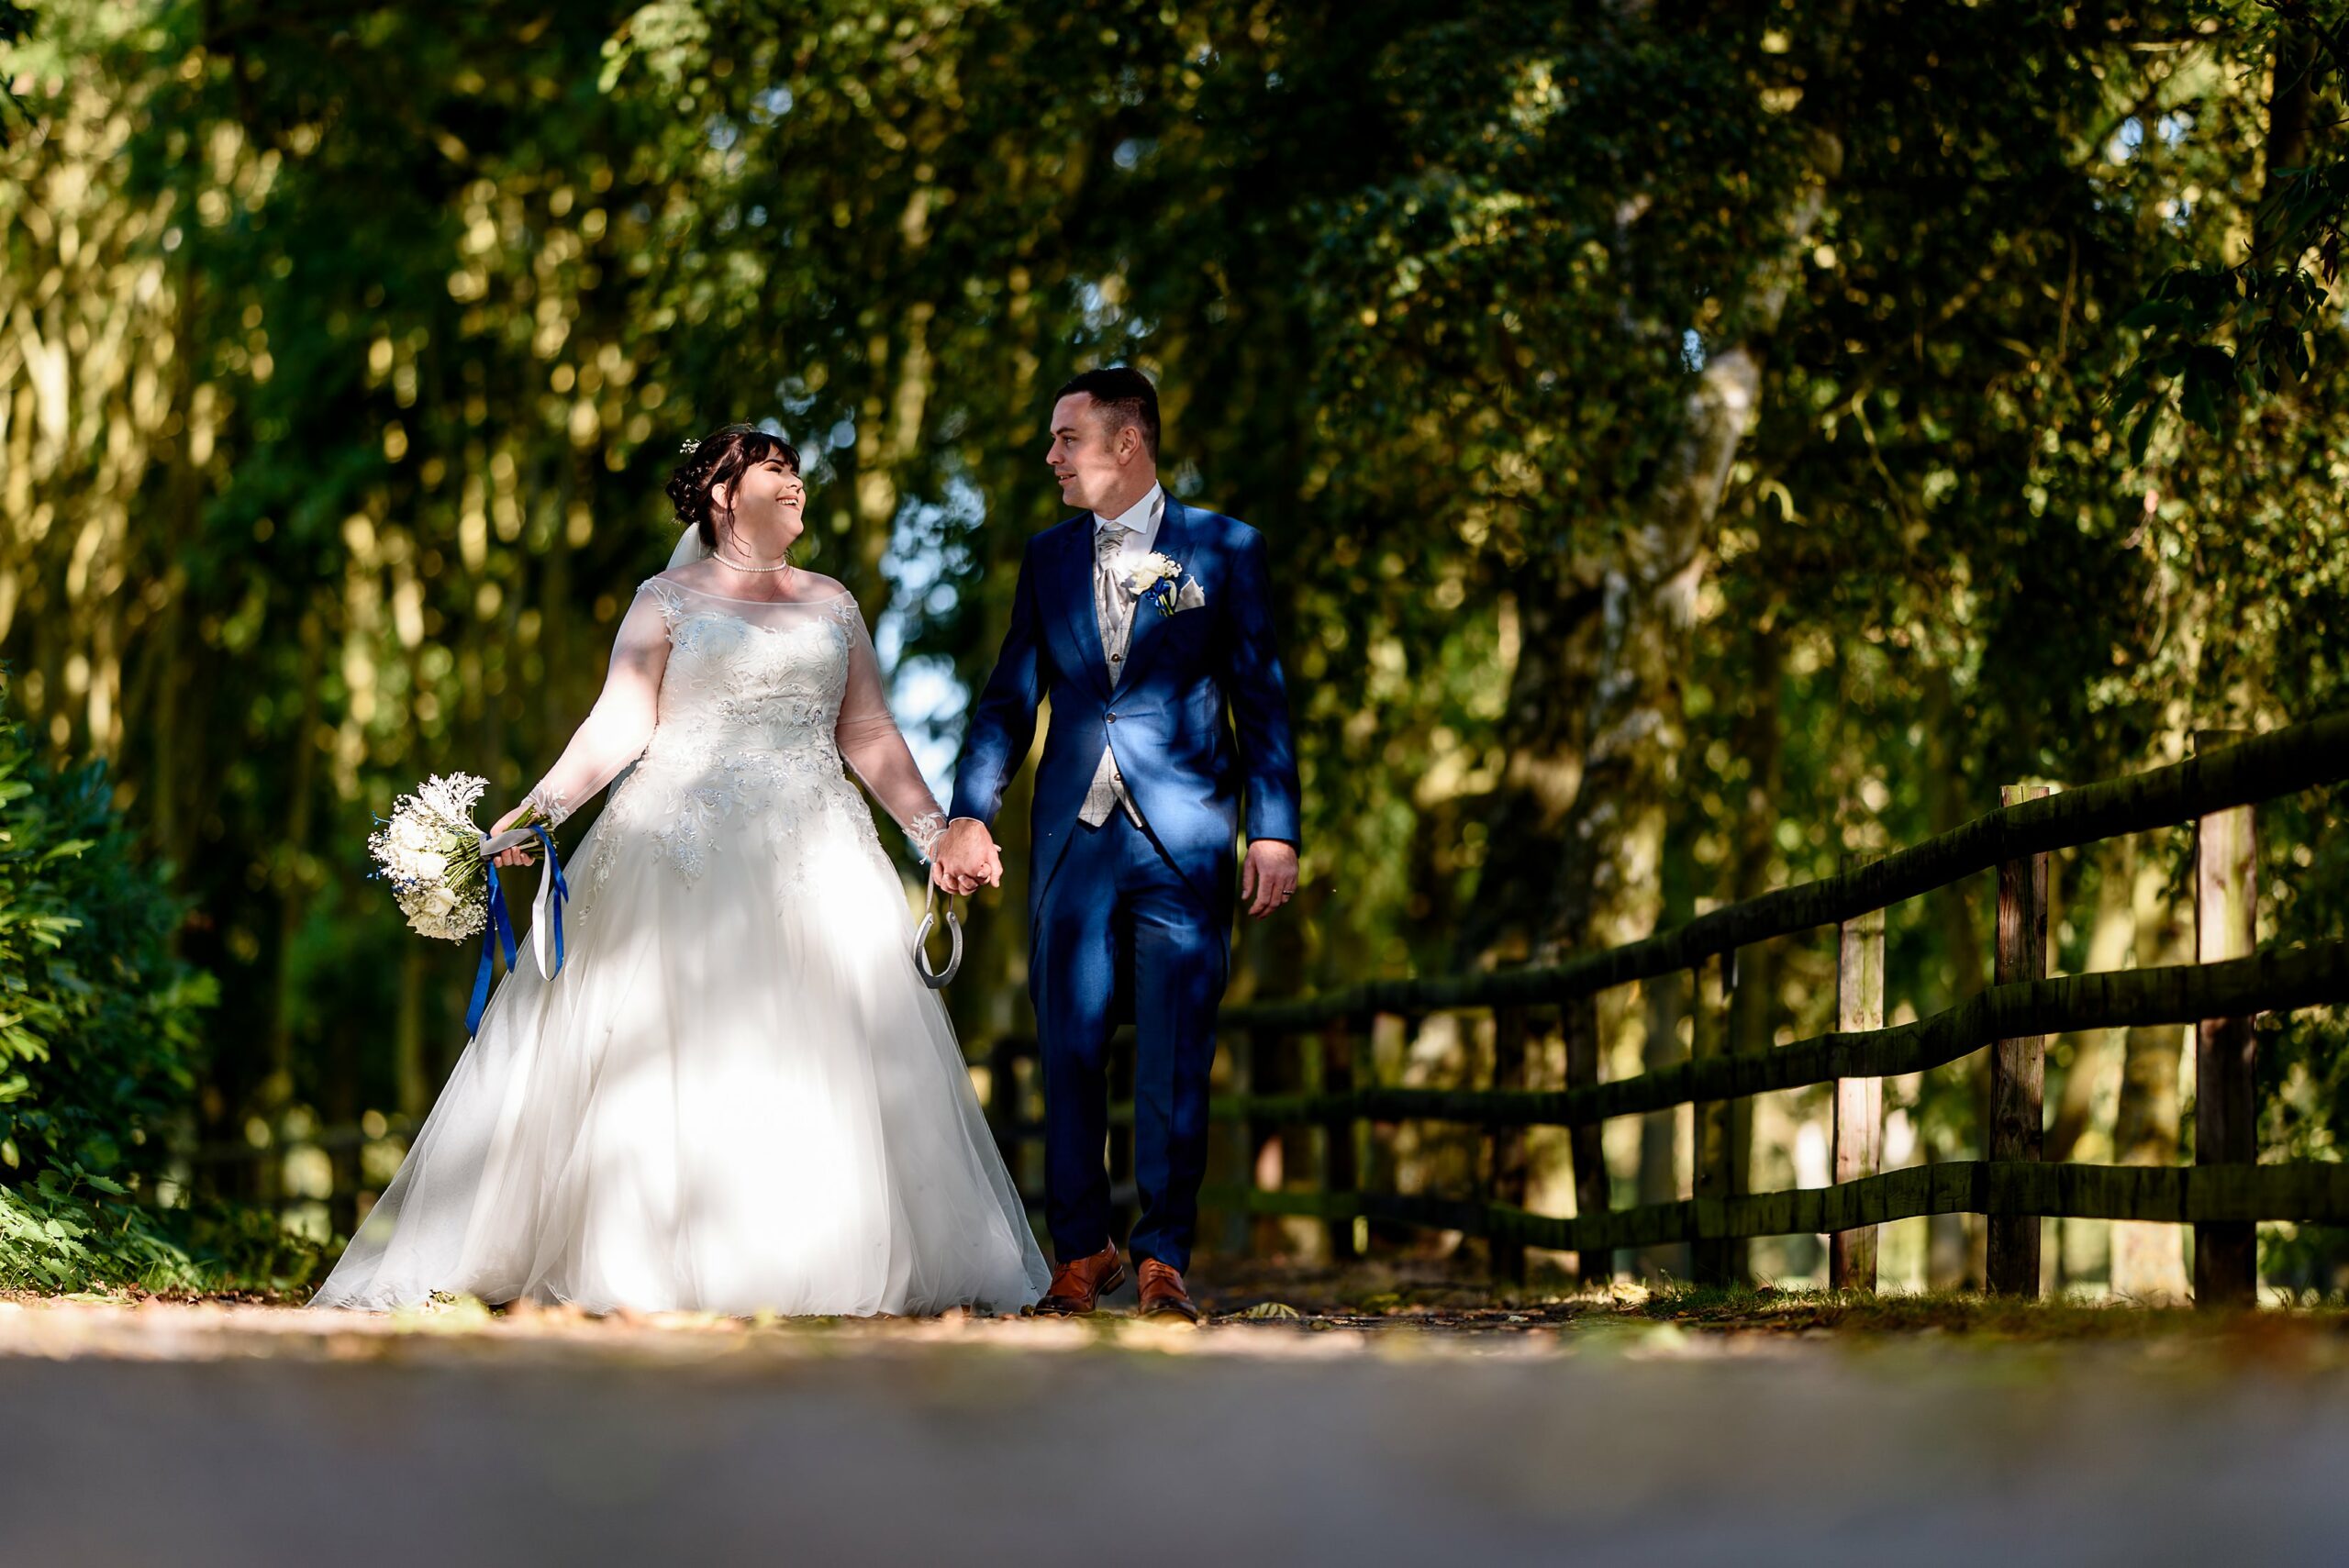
point(1697, 441)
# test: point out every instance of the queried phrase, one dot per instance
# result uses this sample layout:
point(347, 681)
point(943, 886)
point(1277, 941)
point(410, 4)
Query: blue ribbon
point(496, 932)
point(561, 897)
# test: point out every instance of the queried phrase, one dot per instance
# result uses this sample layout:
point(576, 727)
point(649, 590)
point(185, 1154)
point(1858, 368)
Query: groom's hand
point(965, 856)
point(1268, 878)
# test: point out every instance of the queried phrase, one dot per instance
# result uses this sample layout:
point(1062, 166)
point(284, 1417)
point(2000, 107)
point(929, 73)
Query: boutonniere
point(1161, 580)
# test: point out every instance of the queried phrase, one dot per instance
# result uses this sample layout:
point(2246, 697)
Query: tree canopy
point(1697, 441)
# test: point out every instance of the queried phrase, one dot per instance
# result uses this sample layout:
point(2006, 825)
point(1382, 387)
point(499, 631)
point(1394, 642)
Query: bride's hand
point(965, 857)
point(521, 854)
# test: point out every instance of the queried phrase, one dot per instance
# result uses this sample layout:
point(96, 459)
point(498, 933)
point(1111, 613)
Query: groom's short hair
point(1126, 397)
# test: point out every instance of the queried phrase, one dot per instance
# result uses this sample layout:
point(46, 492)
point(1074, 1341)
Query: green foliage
point(100, 1040)
point(56, 1237)
point(16, 24)
point(99, 1050)
point(2223, 335)
point(2267, 315)
point(382, 324)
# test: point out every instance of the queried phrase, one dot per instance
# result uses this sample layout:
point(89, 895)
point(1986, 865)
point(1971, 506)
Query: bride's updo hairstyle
point(721, 458)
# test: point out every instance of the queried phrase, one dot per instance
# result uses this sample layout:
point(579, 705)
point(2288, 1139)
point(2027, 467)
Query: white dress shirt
point(1140, 522)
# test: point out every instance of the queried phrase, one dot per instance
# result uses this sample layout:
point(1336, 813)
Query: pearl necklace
point(723, 559)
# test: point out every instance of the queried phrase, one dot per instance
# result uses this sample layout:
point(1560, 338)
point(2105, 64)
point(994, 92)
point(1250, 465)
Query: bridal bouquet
point(447, 885)
point(430, 852)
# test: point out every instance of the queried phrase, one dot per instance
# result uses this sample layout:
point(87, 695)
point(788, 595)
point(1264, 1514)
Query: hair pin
point(689, 446)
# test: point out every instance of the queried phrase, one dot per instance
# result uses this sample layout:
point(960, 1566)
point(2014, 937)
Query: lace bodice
point(735, 684)
point(728, 703)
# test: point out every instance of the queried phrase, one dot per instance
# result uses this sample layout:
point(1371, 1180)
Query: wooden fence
point(2224, 1194)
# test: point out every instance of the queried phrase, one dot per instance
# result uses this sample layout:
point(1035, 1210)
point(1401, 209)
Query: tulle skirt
point(737, 1095)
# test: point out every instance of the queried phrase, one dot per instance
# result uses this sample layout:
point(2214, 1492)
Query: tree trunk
point(1954, 1251)
point(1558, 601)
point(275, 1085)
point(1617, 728)
point(2109, 943)
point(2226, 1050)
point(1660, 1130)
point(2148, 1259)
point(1946, 791)
point(412, 1081)
point(2291, 106)
point(1605, 887)
point(1755, 1008)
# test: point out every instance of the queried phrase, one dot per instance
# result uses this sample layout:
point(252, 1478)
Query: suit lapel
point(1175, 543)
point(1077, 604)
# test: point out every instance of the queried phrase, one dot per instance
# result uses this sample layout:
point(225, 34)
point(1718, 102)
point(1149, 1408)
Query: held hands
point(521, 854)
point(965, 856)
point(1268, 877)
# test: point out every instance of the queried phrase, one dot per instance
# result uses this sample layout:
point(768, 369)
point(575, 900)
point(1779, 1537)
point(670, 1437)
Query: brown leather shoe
point(1163, 1295)
point(1078, 1285)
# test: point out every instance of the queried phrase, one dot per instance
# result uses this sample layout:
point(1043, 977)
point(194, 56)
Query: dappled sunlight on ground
point(1387, 1414)
point(1267, 1311)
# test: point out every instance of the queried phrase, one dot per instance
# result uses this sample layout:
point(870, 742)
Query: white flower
point(430, 852)
point(450, 797)
point(1153, 570)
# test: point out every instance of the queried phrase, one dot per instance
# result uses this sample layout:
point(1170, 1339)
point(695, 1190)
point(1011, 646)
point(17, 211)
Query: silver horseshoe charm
point(938, 979)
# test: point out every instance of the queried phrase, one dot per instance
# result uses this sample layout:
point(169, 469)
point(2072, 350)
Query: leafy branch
point(2220, 336)
point(15, 27)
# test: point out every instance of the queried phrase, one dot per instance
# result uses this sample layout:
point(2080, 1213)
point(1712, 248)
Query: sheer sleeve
point(873, 747)
point(616, 730)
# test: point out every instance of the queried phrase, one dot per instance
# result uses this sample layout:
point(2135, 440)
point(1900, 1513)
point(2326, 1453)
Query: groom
point(1137, 800)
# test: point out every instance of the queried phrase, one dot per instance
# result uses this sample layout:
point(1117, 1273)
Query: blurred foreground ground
point(1393, 1422)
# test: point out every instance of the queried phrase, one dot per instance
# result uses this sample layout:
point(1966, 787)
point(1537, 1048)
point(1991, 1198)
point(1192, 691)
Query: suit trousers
point(1122, 935)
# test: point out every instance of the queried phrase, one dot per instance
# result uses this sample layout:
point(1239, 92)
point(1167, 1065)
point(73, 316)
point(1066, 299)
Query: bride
point(737, 1094)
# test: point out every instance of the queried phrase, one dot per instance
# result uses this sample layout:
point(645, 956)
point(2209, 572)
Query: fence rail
point(2313, 1192)
point(2180, 994)
point(2281, 763)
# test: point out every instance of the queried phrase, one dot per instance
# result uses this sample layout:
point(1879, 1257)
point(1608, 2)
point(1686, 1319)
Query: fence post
point(1338, 1163)
point(1715, 1260)
point(2018, 1066)
point(1579, 1020)
point(1859, 1102)
point(2226, 1252)
point(1507, 1140)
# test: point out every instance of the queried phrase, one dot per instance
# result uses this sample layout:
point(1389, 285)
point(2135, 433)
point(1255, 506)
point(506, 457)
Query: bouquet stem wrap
point(497, 931)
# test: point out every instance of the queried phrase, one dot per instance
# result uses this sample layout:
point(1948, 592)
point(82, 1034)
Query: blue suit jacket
point(1166, 720)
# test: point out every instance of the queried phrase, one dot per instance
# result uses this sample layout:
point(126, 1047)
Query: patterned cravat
point(1113, 606)
point(1113, 615)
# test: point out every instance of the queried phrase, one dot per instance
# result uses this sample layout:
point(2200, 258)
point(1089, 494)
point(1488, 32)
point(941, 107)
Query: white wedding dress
point(737, 1095)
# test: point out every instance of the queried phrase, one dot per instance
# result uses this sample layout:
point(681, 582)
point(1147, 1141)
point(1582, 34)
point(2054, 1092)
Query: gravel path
point(202, 1434)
